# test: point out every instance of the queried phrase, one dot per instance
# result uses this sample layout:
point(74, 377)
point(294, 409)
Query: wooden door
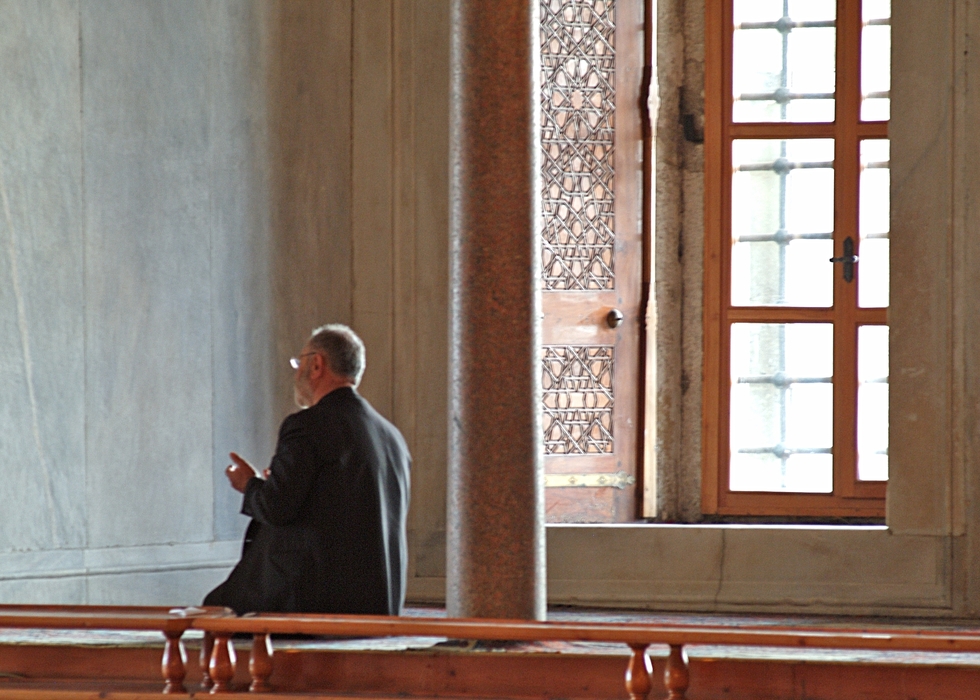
point(591, 61)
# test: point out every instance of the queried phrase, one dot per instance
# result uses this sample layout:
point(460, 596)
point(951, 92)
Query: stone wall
point(175, 193)
point(187, 189)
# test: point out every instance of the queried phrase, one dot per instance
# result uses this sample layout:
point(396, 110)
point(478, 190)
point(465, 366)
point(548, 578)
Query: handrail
point(172, 622)
point(119, 617)
point(627, 633)
point(219, 624)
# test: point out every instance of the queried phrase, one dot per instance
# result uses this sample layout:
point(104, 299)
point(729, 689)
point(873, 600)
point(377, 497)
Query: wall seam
point(955, 213)
point(394, 184)
point(86, 572)
point(350, 173)
point(84, 231)
point(415, 228)
point(956, 384)
point(208, 81)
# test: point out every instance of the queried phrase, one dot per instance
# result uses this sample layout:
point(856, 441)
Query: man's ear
point(316, 364)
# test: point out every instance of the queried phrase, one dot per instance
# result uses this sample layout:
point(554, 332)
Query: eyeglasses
point(295, 361)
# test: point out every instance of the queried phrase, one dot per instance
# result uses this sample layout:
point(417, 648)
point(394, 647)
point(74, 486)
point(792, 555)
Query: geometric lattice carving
point(577, 117)
point(578, 399)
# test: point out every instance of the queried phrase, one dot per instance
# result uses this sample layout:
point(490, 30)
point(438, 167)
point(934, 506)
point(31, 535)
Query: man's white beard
point(300, 401)
point(301, 397)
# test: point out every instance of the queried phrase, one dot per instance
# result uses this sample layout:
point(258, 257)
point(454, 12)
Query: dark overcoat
point(328, 526)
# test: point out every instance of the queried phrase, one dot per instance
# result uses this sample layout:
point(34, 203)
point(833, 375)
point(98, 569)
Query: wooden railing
point(219, 625)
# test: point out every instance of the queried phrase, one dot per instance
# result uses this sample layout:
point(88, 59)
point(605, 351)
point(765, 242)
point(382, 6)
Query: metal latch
point(848, 258)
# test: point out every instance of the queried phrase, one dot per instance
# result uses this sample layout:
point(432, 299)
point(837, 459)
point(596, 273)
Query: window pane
point(876, 65)
point(784, 60)
point(782, 222)
point(872, 427)
point(782, 407)
point(874, 204)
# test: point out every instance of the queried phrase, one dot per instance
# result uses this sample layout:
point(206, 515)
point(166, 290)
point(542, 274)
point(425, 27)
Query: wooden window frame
point(851, 498)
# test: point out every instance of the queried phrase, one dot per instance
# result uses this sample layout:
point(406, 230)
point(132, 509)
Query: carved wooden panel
point(578, 399)
point(577, 118)
point(592, 68)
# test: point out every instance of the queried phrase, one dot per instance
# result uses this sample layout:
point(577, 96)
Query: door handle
point(614, 319)
point(848, 259)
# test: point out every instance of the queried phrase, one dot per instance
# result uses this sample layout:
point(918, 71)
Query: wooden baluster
point(207, 646)
point(222, 664)
point(638, 672)
point(677, 676)
point(174, 658)
point(260, 663)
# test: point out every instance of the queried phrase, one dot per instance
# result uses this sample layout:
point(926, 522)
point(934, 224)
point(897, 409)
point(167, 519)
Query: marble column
point(495, 538)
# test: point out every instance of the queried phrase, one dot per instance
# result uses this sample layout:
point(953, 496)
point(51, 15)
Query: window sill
point(860, 569)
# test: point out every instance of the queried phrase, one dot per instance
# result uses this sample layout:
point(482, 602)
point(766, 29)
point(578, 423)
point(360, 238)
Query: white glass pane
point(783, 60)
point(872, 427)
point(782, 222)
point(811, 10)
point(876, 9)
point(874, 211)
point(876, 60)
point(756, 11)
point(781, 414)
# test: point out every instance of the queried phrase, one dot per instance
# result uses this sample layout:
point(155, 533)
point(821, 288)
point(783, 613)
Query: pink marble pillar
point(495, 540)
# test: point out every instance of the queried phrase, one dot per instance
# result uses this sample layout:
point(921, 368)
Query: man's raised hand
point(239, 472)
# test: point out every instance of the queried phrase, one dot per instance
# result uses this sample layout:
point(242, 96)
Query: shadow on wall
point(298, 81)
point(309, 103)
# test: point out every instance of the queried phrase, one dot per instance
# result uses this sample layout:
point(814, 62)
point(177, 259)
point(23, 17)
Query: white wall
point(175, 182)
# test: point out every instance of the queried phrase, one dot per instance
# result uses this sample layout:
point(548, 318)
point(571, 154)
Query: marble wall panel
point(965, 275)
point(821, 569)
point(193, 555)
point(245, 374)
point(309, 111)
point(372, 185)
point(610, 556)
point(404, 233)
point(179, 588)
point(844, 556)
point(280, 182)
point(61, 591)
point(41, 284)
point(176, 186)
point(179, 574)
point(45, 576)
point(15, 566)
point(148, 295)
point(922, 156)
point(423, 342)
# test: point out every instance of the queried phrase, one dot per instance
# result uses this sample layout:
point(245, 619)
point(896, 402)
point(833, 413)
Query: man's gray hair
point(342, 348)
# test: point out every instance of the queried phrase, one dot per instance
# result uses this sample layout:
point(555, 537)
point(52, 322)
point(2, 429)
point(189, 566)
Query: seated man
point(328, 520)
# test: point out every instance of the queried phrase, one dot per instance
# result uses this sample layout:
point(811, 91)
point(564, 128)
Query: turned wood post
point(260, 663)
point(222, 665)
point(677, 676)
point(638, 672)
point(207, 646)
point(174, 658)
